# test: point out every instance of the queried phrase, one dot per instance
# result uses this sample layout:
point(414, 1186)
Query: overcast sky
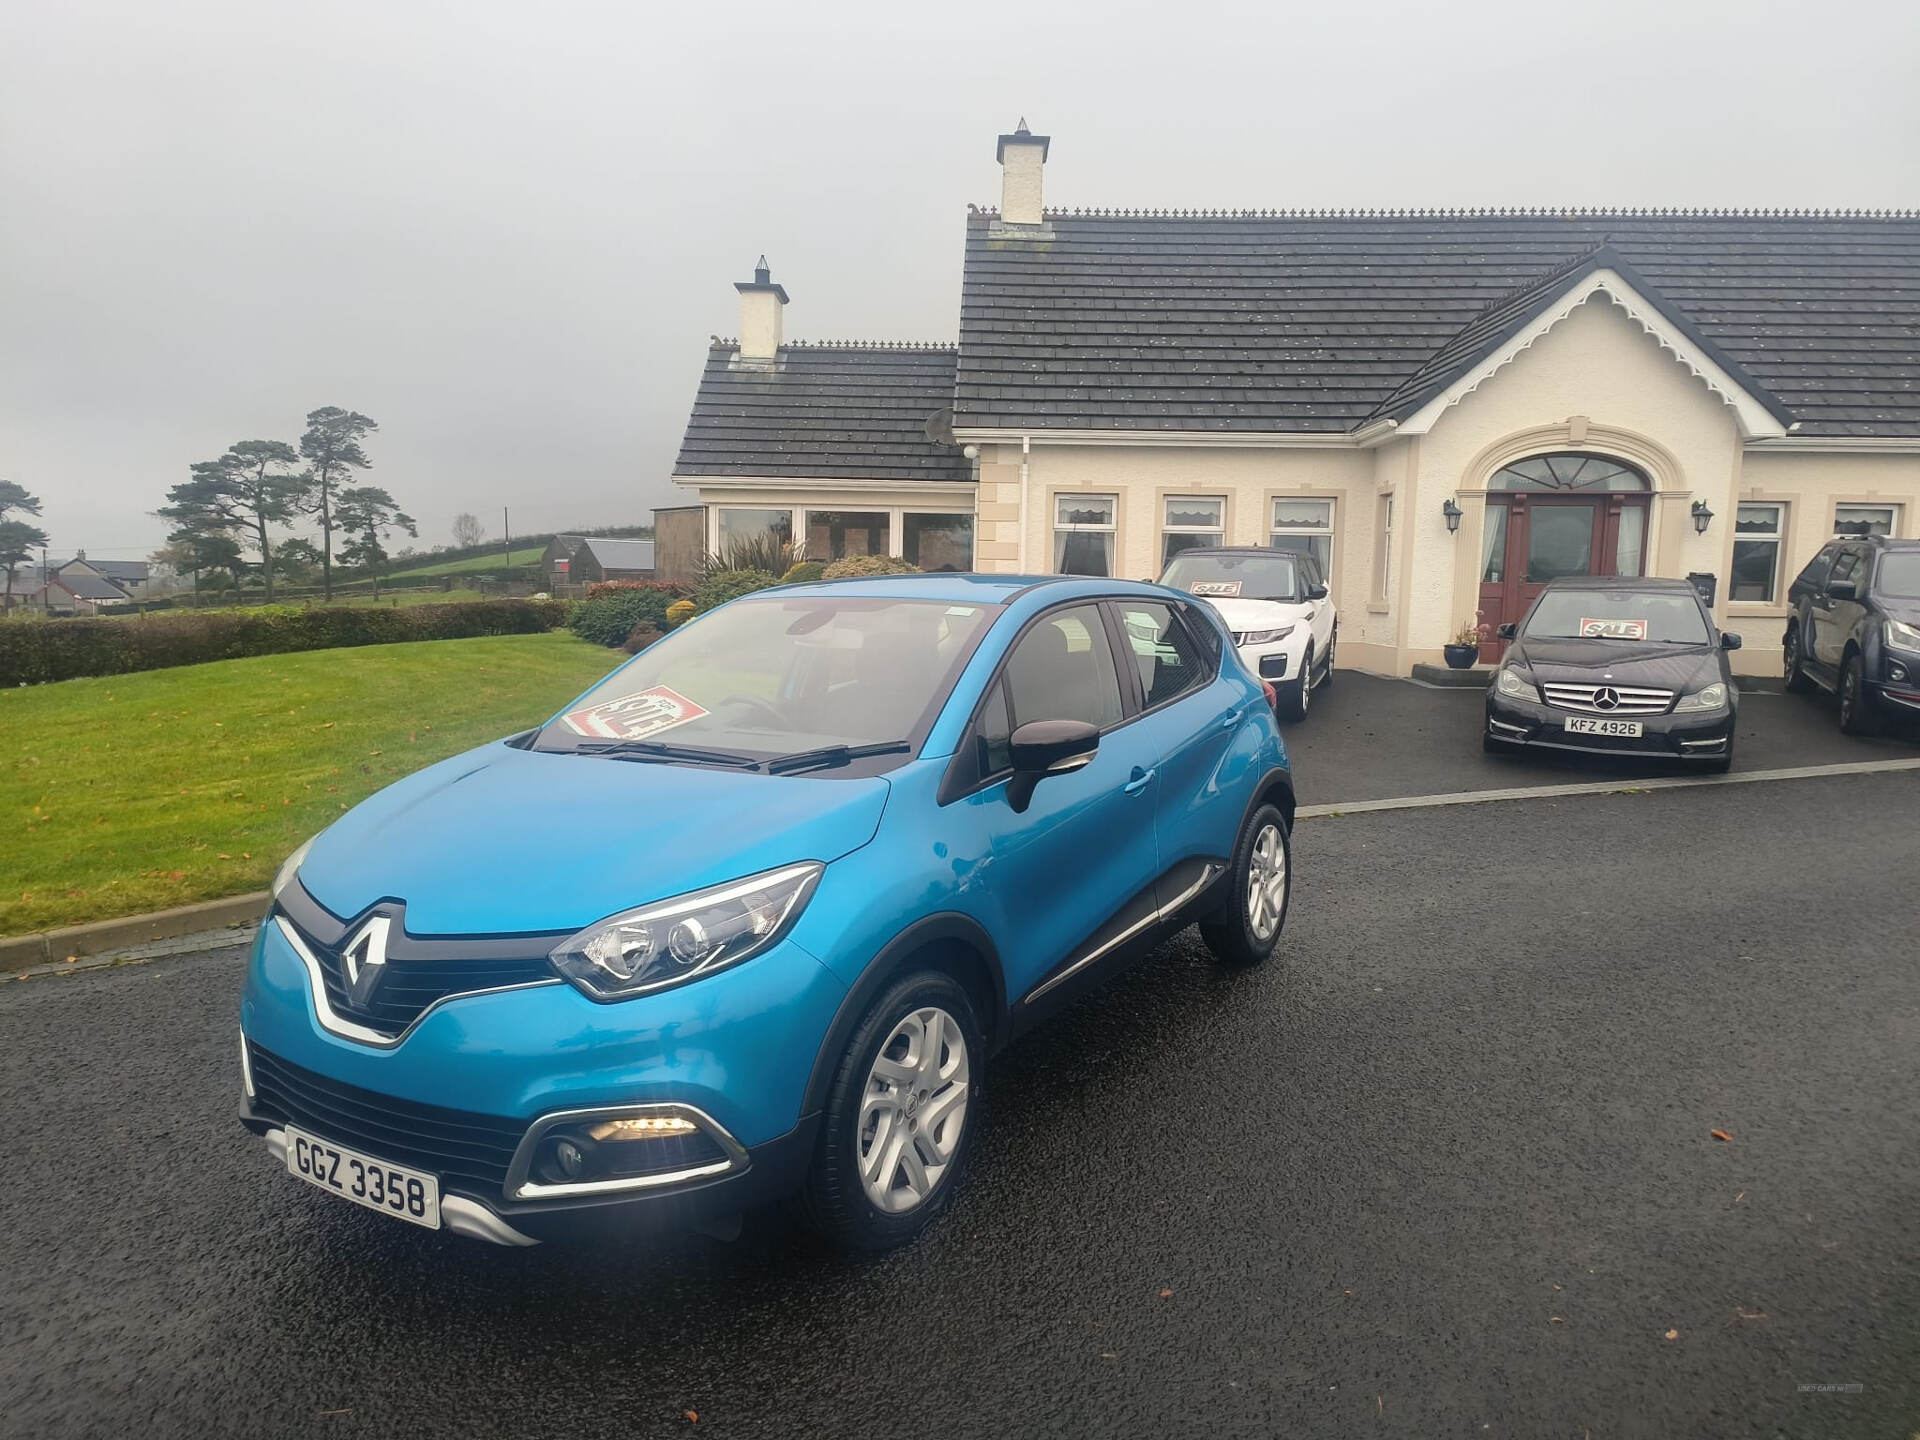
point(506, 230)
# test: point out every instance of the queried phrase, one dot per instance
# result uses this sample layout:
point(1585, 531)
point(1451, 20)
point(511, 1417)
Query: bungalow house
point(128, 576)
point(76, 590)
point(1449, 407)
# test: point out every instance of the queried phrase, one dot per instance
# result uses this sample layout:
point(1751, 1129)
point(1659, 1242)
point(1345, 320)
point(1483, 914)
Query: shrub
point(753, 552)
point(724, 585)
point(805, 571)
point(679, 612)
point(613, 607)
point(855, 566)
point(35, 651)
point(641, 636)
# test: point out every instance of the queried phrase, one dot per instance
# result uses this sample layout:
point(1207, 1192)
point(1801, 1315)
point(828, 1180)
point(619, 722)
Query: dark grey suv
point(1855, 629)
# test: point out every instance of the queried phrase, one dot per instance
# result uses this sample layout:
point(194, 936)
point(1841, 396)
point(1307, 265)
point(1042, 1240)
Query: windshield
point(1899, 576)
point(776, 675)
point(1243, 577)
point(1656, 617)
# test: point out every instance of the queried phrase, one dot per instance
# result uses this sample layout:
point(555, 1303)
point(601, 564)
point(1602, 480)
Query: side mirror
point(1507, 631)
point(1842, 590)
point(1316, 592)
point(1728, 641)
point(1047, 747)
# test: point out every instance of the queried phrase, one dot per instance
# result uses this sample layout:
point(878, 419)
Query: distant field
point(529, 556)
point(135, 792)
point(418, 595)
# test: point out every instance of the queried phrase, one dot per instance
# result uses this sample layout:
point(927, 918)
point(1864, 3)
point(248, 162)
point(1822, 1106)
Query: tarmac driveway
point(1372, 738)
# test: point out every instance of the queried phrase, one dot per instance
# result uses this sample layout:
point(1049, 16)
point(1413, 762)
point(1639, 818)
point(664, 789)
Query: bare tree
point(468, 531)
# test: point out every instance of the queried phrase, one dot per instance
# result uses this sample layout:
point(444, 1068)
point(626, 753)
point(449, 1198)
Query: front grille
point(466, 1150)
point(408, 987)
point(1627, 699)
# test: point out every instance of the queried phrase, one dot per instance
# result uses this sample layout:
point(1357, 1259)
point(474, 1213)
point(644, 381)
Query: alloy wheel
point(913, 1109)
point(1266, 882)
point(1791, 664)
point(1849, 696)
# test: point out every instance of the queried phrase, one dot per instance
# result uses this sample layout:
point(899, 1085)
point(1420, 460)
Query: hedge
point(34, 651)
point(614, 607)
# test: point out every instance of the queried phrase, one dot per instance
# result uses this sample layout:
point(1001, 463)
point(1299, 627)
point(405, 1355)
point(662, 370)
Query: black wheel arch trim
point(947, 928)
point(1278, 779)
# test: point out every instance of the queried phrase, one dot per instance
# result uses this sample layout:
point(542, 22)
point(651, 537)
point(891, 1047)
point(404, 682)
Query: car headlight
point(1514, 687)
point(1714, 697)
point(673, 941)
point(291, 866)
point(1264, 637)
point(1907, 637)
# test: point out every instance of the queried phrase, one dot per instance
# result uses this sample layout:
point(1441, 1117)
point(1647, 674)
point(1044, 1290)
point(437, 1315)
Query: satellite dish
point(940, 426)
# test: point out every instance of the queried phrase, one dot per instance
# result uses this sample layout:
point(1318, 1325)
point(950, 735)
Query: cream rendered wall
point(1595, 382)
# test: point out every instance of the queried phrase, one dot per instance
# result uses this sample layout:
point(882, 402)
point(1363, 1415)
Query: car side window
point(1843, 566)
point(1208, 636)
point(1168, 658)
point(1815, 575)
point(1062, 669)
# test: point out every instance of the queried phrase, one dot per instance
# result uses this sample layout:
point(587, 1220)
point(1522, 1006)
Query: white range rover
point(1275, 603)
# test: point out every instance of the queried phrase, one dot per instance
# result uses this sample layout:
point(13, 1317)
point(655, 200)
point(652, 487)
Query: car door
point(1085, 848)
point(1192, 721)
point(1320, 613)
point(1831, 617)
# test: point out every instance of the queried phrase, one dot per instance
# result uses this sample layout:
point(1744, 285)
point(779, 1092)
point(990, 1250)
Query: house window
point(938, 542)
point(1304, 525)
point(1083, 534)
point(734, 525)
point(1382, 547)
point(836, 534)
point(1865, 520)
point(1190, 522)
point(1756, 553)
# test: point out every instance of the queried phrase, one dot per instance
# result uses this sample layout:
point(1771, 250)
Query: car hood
point(501, 840)
point(1243, 615)
point(1898, 607)
point(1594, 662)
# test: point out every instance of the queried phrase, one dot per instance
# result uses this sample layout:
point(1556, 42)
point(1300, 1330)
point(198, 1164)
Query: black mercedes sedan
point(1616, 666)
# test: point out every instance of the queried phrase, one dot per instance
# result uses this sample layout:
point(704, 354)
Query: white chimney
point(1022, 156)
point(761, 302)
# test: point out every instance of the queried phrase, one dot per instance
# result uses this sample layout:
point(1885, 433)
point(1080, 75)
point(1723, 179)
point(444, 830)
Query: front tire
point(1297, 696)
point(899, 1116)
point(1792, 664)
point(1245, 930)
point(1857, 713)
point(1333, 643)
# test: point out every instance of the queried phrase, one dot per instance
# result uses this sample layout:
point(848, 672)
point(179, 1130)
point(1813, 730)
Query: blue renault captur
point(749, 916)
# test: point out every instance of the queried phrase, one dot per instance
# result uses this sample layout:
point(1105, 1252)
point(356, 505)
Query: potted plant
point(1464, 649)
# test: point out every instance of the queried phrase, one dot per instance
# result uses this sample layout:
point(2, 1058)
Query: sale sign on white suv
point(1276, 604)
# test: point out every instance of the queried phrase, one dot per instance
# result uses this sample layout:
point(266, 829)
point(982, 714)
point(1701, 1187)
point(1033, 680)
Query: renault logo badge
point(364, 958)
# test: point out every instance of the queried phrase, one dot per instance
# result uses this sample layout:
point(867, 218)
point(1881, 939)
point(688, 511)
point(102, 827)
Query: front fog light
point(678, 940)
point(569, 1159)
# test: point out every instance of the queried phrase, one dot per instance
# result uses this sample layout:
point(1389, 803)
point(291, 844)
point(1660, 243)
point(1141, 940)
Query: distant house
point(77, 591)
point(556, 561)
point(599, 558)
point(130, 577)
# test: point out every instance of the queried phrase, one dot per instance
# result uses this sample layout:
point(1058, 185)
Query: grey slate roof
point(1301, 322)
point(124, 571)
point(89, 587)
point(849, 412)
point(615, 554)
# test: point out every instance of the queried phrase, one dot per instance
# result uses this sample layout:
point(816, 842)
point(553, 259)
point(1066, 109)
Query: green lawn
point(135, 792)
point(490, 561)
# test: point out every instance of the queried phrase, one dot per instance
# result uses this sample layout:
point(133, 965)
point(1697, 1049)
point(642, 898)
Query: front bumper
point(1277, 660)
point(735, 1049)
point(1700, 736)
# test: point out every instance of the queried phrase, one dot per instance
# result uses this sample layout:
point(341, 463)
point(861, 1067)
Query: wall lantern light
point(1453, 513)
point(1702, 517)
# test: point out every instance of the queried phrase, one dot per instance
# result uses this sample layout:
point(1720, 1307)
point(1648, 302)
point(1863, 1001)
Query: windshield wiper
point(831, 755)
point(657, 750)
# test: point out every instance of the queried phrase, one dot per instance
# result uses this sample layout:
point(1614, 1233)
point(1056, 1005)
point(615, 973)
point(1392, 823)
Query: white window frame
point(1060, 527)
point(1383, 547)
point(794, 528)
point(1167, 527)
point(1777, 538)
point(1311, 532)
point(1891, 509)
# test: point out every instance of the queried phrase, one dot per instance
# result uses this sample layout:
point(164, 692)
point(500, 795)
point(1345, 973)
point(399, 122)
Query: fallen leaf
point(1673, 1334)
point(1165, 1294)
point(1756, 1315)
point(1108, 1355)
point(328, 725)
point(1720, 1135)
point(1555, 1320)
point(1741, 1196)
point(693, 1416)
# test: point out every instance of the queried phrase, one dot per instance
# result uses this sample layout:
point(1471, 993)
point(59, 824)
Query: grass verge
point(131, 793)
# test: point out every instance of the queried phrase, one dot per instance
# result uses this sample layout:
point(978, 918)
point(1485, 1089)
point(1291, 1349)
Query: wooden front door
point(1533, 538)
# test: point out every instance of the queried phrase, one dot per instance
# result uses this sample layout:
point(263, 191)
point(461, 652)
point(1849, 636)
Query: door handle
point(1232, 721)
point(1141, 779)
